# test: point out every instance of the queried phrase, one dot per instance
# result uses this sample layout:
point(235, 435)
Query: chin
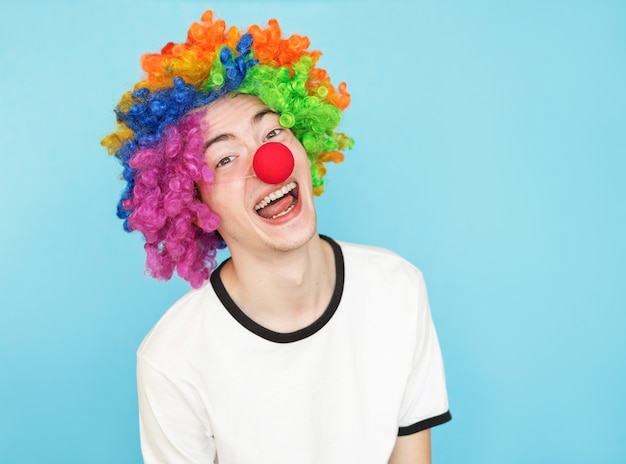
point(293, 241)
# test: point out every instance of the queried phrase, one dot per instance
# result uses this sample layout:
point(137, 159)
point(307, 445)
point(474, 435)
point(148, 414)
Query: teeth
point(275, 196)
point(284, 212)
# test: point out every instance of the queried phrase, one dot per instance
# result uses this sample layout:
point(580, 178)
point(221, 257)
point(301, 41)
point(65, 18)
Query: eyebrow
point(256, 119)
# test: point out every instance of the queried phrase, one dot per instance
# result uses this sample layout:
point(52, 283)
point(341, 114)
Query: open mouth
point(279, 202)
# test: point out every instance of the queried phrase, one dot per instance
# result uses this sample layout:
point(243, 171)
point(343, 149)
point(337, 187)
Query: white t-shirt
point(212, 382)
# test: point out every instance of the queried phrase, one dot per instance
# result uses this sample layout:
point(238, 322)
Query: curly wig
point(159, 137)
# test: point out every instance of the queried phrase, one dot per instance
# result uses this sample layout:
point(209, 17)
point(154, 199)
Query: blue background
point(489, 151)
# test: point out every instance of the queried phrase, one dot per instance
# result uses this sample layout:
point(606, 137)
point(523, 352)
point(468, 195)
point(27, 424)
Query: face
point(255, 216)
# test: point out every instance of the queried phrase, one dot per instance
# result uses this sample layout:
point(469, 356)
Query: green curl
point(311, 119)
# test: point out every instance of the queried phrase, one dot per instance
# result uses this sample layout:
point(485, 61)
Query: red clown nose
point(273, 163)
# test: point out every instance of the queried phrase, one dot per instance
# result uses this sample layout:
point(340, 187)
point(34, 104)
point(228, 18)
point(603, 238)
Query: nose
point(273, 163)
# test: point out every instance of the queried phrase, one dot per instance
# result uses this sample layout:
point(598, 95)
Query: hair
point(159, 137)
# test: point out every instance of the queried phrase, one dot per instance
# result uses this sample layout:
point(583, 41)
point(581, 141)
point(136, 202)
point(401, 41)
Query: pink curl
point(180, 230)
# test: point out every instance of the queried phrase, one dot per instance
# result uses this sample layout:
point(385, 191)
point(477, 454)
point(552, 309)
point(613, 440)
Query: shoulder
point(180, 326)
point(379, 280)
point(378, 262)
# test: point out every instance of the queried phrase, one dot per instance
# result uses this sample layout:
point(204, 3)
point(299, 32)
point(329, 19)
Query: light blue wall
point(489, 151)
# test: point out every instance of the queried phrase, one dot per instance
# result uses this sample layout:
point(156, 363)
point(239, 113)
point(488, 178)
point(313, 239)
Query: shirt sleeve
point(174, 425)
point(425, 402)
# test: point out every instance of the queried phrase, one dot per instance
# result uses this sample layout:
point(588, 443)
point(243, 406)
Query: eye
point(225, 161)
point(274, 133)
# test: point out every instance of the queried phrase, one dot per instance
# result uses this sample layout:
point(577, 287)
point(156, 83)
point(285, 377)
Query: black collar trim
point(281, 337)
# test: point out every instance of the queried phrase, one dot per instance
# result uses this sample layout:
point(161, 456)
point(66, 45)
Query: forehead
point(228, 114)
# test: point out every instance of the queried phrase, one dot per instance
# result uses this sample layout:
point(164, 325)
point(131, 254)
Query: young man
point(297, 349)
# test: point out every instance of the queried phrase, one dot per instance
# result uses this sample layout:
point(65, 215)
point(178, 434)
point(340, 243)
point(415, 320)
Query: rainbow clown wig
point(159, 139)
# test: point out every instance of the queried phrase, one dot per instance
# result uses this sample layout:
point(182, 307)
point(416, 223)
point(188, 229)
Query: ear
point(200, 193)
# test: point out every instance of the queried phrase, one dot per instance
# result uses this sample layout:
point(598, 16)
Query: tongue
point(276, 207)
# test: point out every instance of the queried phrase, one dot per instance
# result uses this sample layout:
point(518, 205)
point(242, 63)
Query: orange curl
point(271, 49)
point(206, 35)
point(232, 37)
point(192, 59)
point(340, 99)
point(334, 156)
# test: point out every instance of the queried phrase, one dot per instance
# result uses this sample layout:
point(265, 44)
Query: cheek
point(204, 189)
point(225, 199)
point(211, 196)
point(299, 154)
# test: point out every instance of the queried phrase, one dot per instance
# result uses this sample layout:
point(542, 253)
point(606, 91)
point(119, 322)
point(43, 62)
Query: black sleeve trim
point(425, 424)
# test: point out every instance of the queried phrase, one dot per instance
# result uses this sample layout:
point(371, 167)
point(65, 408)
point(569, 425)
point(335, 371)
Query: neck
point(283, 291)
